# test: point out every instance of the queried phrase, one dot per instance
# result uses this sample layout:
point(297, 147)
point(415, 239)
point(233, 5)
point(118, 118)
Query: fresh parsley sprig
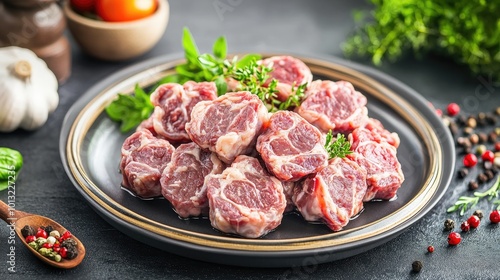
point(337, 147)
point(130, 110)
point(465, 202)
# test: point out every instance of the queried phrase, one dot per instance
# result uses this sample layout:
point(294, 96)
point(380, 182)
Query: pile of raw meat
point(229, 159)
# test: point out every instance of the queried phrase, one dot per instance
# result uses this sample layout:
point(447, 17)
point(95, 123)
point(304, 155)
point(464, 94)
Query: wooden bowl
point(116, 41)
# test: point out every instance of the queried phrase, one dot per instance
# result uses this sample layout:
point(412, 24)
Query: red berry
point(497, 146)
point(470, 160)
point(430, 249)
point(65, 236)
point(465, 226)
point(41, 233)
point(47, 245)
point(474, 221)
point(488, 156)
point(454, 238)
point(30, 238)
point(453, 109)
point(439, 112)
point(495, 216)
point(63, 251)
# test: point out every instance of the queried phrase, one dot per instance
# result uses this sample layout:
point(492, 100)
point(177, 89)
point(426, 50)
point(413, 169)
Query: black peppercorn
point(449, 224)
point(48, 229)
point(27, 230)
point(492, 137)
point(482, 178)
point(461, 120)
point(483, 137)
point(478, 213)
point(71, 253)
point(481, 119)
point(490, 119)
point(69, 243)
point(489, 174)
point(416, 266)
point(468, 130)
point(463, 172)
point(473, 185)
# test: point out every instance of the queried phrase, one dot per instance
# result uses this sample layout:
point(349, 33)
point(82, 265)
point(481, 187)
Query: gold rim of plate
point(385, 225)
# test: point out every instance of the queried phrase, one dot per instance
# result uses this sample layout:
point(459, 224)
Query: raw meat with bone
point(228, 125)
point(245, 199)
point(173, 104)
point(290, 73)
point(143, 159)
point(182, 181)
point(379, 159)
point(333, 195)
point(291, 147)
point(334, 106)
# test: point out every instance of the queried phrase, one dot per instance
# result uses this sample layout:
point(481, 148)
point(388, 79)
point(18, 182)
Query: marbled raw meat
point(245, 199)
point(228, 125)
point(143, 159)
point(173, 104)
point(291, 147)
point(335, 106)
point(183, 179)
point(290, 72)
point(333, 195)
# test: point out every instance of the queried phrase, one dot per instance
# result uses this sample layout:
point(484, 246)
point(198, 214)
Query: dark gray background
point(307, 27)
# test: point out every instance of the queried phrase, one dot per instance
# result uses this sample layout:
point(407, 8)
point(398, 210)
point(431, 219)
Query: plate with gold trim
point(90, 146)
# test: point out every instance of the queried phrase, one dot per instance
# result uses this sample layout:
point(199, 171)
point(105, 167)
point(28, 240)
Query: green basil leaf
point(221, 85)
point(220, 47)
point(10, 157)
point(207, 60)
point(246, 60)
point(190, 49)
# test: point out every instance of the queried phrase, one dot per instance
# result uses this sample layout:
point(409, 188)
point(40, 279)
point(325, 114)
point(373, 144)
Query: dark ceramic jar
point(37, 25)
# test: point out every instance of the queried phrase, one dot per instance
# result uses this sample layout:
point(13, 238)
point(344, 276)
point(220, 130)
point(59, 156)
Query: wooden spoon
point(20, 219)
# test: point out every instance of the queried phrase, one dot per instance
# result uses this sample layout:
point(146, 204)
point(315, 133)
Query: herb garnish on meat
point(338, 147)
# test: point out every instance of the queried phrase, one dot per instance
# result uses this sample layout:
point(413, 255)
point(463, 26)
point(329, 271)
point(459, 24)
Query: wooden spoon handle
point(8, 213)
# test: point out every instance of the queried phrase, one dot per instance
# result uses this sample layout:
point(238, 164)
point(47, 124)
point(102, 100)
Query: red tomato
point(83, 5)
point(125, 10)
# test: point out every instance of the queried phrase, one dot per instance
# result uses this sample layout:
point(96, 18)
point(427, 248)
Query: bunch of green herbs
point(468, 31)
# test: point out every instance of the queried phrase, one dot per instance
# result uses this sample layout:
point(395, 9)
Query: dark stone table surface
point(310, 27)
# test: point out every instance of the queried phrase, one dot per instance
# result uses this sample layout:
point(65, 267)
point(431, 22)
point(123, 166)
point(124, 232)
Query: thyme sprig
point(337, 147)
point(465, 202)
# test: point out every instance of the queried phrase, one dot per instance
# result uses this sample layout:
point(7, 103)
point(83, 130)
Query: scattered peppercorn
point(492, 137)
point(474, 221)
point(491, 119)
point(471, 122)
point(495, 217)
point(488, 155)
point(27, 230)
point(49, 243)
point(463, 172)
point(449, 224)
point(454, 238)
point(473, 185)
point(482, 178)
point(474, 138)
point(430, 249)
point(470, 160)
point(416, 266)
point(468, 130)
point(483, 137)
point(497, 111)
point(489, 174)
point(465, 227)
point(478, 213)
point(487, 165)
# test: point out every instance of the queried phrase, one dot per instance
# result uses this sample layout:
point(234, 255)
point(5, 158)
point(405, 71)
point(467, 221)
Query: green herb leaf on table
point(466, 202)
point(337, 147)
point(11, 162)
point(130, 110)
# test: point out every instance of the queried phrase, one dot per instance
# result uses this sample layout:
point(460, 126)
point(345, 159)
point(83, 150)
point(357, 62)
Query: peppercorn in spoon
point(18, 220)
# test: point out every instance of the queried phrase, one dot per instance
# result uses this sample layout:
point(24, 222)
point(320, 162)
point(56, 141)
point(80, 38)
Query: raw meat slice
point(182, 181)
point(173, 104)
point(333, 195)
point(379, 159)
point(373, 130)
point(228, 125)
point(290, 72)
point(291, 147)
point(143, 159)
point(245, 199)
point(334, 106)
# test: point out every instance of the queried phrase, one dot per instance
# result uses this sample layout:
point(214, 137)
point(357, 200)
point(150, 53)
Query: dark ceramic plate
point(90, 150)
